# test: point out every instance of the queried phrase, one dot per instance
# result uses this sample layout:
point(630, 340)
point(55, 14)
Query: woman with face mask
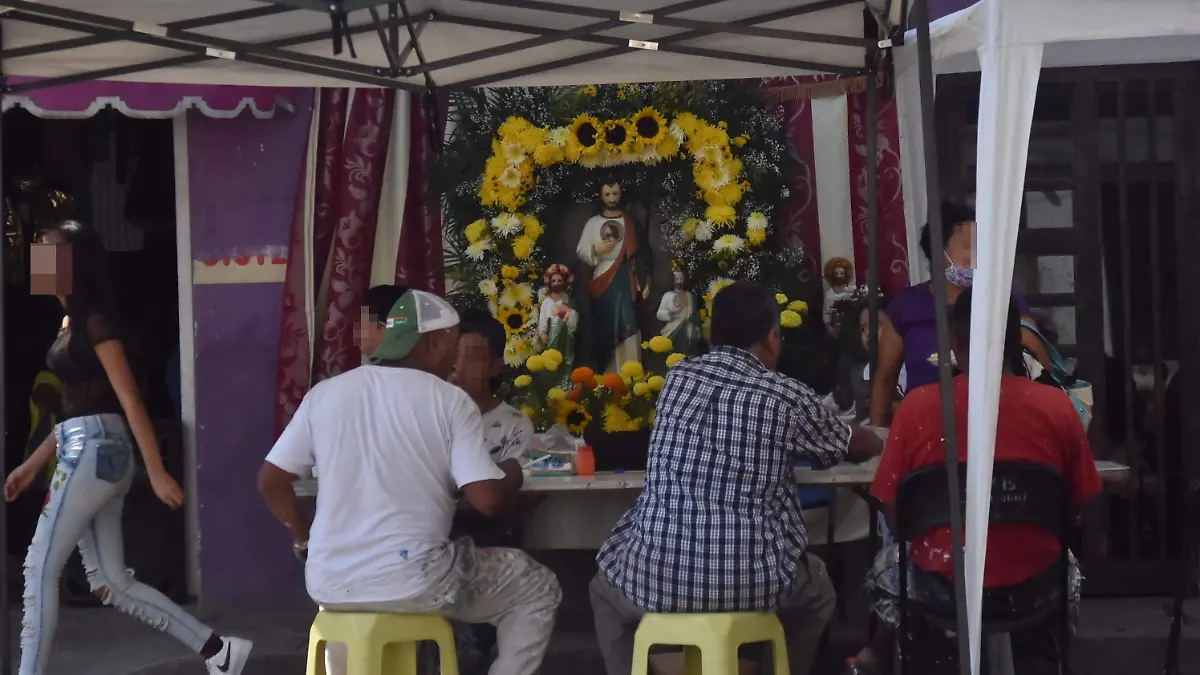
point(908, 329)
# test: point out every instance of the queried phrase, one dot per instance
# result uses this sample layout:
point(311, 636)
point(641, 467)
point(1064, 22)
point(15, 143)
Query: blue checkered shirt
point(718, 526)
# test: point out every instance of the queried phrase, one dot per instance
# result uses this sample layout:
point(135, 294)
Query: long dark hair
point(91, 286)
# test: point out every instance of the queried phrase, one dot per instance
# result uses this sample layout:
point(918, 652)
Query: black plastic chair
point(1022, 493)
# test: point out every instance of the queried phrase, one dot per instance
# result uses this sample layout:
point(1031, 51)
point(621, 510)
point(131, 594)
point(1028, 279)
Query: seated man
point(372, 316)
point(1036, 423)
point(508, 436)
point(718, 526)
point(392, 442)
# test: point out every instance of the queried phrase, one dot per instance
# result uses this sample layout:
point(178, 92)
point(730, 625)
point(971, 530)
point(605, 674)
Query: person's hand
point(646, 292)
point(18, 481)
point(167, 490)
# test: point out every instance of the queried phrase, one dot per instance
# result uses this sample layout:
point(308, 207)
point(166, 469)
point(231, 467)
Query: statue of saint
point(839, 277)
point(556, 320)
point(620, 279)
point(679, 310)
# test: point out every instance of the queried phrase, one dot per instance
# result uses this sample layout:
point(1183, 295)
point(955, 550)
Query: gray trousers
point(501, 586)
point(804, 615)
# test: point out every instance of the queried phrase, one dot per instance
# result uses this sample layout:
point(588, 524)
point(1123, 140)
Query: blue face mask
point(962, 277)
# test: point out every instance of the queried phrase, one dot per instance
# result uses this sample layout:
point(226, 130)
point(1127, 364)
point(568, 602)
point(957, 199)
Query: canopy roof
point(415, 44)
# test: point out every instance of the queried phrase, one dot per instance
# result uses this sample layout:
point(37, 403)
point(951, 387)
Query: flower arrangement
point(792, 313)
point(708, 155)
point(621, 401)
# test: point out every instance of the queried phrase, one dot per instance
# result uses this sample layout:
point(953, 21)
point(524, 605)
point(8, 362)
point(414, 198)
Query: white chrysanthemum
point(729, 243)
point(510, 178)
point(677, 133)
point(475, 251)
point(515, 295)
point(516, 350)
point(756, 221)
point(559, 136)
point(488, 288)
point(704, 231)
point(710, 154)
point(506, 224)
point(650, 156)
point(514, 153)
point(718, 284)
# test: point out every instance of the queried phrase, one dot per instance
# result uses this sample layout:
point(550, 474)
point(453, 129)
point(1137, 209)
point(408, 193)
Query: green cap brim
point(395, 347)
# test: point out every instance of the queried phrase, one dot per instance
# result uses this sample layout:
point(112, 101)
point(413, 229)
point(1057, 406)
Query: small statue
point(616, 249)
point(557, 321)
point(679, 310)
point(839, 276)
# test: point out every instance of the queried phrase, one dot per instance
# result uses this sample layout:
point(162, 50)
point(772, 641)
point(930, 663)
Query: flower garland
point(536, 140)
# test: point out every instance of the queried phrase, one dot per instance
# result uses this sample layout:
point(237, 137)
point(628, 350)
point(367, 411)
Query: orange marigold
point(575, 394)
point(582, 375)
point(615, 382)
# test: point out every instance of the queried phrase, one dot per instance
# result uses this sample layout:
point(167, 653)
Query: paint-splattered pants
point(83, 508)
point(501, 586)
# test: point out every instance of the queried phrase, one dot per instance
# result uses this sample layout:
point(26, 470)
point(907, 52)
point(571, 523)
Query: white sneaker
point(232, 657)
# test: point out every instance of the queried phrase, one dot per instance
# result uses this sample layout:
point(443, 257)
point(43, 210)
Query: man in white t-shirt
point(392, 441)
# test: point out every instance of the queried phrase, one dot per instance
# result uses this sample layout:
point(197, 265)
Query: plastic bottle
point(585, 461)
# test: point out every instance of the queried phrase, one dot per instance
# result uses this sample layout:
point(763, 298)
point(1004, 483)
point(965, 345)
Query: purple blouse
point(911, 313)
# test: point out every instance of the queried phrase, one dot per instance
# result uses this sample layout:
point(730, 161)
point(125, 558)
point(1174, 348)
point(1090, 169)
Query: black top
point(72, 358)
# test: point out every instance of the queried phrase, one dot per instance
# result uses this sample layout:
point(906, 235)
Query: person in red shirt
point(1036, 423)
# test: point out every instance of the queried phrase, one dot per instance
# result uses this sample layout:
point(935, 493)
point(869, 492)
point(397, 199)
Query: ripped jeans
point(83, 508)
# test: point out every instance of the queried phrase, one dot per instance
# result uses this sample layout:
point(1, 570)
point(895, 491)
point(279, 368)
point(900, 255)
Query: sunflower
point(572, 416)
point(617, 136)
point(513, 318)
point(649, 127)
point(585, 137)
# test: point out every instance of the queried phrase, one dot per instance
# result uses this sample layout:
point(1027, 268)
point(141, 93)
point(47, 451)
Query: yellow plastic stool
point(710, 641)
point(380, 643)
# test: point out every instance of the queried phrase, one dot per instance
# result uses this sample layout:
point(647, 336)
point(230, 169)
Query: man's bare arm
point(865, 445)
point(275, 485)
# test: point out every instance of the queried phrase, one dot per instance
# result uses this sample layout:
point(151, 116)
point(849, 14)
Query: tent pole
point(5, 614)
point(872, 212)
point(941, 311)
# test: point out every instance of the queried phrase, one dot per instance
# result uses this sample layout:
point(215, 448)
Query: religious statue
point(614, 245)
point(557, 321)
point(839, 276)
point(679, 310)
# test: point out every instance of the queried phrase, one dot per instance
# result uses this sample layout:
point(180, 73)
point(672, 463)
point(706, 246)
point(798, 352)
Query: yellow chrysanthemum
point(674, 359)
point(633, 369)
point(781, 298)
point(477, 230)
point(532, 227)
point(687, 122)
point(727, 196)
point(756, 237)
point(513, 318)
point(516, 294)
point(689, 227)
point(556, 394)
point(741, 140)
point(509, 272)
point(513, 127)
point(548, 155)
point(516, 349)
point(720, 215)
point(798, 306)
point(790, 319)
point(656, 383)
point(710, 177)
point(649, 127)
point(617, 420)
point(522, 381)
point(589, 90)
point(717, 286)
point(660, 344)
point(642, 389)
point(572, 416)
point(522, 247)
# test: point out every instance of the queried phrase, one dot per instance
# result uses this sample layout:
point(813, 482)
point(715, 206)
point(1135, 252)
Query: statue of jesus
point(609, 244)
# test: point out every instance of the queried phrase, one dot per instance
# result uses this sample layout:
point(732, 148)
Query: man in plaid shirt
point(718, 526)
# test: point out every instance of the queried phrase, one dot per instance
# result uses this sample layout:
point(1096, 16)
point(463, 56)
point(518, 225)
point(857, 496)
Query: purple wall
point(940, 8)
point(243, 176)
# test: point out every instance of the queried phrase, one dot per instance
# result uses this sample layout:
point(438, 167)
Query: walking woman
point(95, 462)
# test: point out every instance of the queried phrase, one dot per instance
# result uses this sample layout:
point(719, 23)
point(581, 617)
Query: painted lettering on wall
point(249, 268)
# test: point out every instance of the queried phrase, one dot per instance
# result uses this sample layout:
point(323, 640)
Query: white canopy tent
point(1009, 42)
point(457, 43)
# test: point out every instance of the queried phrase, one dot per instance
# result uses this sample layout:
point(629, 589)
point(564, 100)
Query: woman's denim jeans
point(83, 508)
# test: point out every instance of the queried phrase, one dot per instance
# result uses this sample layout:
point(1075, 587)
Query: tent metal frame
point(197, 48)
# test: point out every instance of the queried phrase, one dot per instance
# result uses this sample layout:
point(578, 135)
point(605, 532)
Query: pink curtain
point(351, 152)
point(419, 261)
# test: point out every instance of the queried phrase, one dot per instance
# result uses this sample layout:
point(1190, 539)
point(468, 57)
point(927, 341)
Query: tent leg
point(5, 615)
point(872, 214)
point(941, 309)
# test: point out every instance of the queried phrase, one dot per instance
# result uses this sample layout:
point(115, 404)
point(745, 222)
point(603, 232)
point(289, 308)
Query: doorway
point(116, 175)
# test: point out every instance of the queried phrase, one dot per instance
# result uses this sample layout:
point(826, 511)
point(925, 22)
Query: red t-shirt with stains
point(1036, 423)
